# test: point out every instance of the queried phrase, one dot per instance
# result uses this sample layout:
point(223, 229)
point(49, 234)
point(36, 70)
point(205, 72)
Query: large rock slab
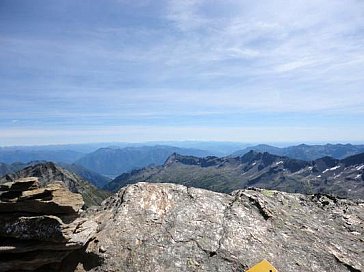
point(168, 227)
point(20, 185)
point(55, 198)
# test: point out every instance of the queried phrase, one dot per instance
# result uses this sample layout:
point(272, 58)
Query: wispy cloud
point(126, 62)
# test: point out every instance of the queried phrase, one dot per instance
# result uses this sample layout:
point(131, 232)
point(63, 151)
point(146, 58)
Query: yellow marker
point(263, 266)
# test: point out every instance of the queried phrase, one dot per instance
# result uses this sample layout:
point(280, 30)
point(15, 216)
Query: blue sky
point(249, 71)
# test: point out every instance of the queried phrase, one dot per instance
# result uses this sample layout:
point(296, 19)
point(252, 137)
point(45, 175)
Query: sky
point(78, 71)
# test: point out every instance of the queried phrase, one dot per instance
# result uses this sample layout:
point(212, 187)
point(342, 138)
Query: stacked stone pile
point(39, 226)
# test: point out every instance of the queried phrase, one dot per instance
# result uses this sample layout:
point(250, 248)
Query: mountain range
point(306, 152)
point(194, 167)
point(343, 178)
point(169, 227)
point(24, 155)
point(113, 161)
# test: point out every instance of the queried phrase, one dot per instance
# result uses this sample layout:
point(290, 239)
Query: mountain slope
point(307, 152)
point(87, 174)
point(114, 161)
point(254, 169)
point(5, 169)
point(49, 172)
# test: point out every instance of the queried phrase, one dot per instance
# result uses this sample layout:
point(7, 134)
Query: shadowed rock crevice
point(80, 260)
point(226, 214)
point(261, 208)
point(346, 265)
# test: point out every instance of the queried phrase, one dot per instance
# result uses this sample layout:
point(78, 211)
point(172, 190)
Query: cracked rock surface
point(168, 227)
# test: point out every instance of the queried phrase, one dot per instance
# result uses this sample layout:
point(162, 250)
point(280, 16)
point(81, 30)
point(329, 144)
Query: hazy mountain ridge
point(307, 152)
point(114, 161)
point(8, 155)
point(344, 178)
point(123, 157)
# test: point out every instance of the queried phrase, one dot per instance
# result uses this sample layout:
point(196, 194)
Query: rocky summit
point(39, 227)
point(169, 227)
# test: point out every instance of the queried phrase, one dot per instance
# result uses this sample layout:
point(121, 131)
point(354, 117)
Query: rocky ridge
point(39, 226)
point(169, 227)
point(343, 178)
point(306, 152)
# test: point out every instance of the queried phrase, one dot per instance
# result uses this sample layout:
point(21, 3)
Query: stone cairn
point(39, 227)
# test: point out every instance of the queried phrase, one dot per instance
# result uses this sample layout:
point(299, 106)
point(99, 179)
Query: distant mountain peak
point(253, 155)
point(172, 158)
point(307, 152)
point(192, 160)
